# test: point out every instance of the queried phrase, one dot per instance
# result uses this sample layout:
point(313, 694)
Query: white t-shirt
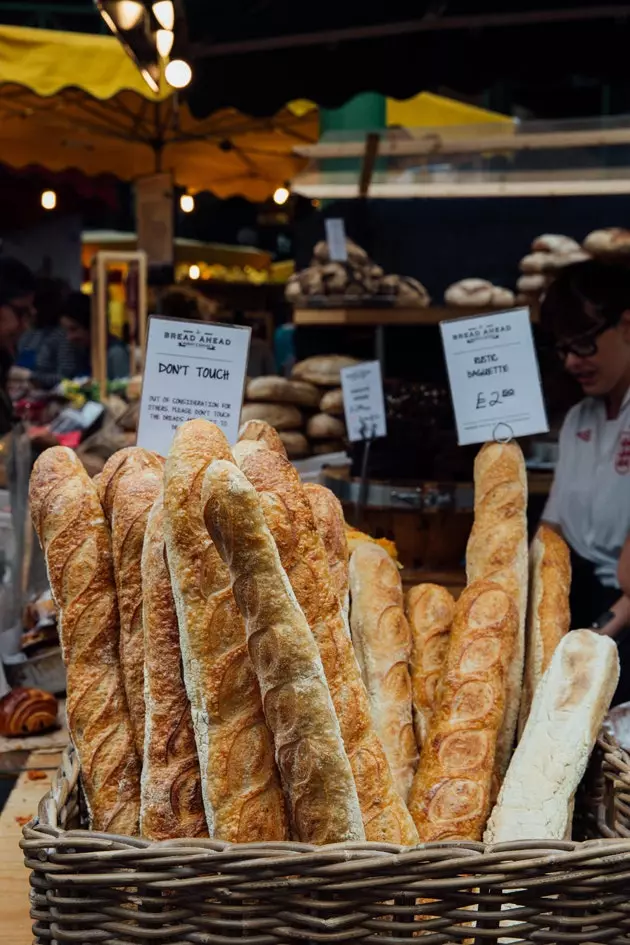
point(590, 496)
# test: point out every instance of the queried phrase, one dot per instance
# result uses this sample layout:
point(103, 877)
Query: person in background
point(17, 288)
point(587, 308)
point(49, 300)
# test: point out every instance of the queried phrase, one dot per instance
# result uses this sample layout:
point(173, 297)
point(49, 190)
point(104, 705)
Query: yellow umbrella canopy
point(73, 100)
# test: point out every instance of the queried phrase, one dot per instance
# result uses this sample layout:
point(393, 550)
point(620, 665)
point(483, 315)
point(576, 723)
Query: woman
point(17, 286)
point(48, 304)
point(588, 310)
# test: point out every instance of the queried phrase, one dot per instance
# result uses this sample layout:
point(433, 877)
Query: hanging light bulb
point(281, 195)
point(194, 272)
point(164, 40)
point(178, 74)
point(49, 199)
point(128, 13)
point(187, 203)
point(150, 79)
point(164, 13)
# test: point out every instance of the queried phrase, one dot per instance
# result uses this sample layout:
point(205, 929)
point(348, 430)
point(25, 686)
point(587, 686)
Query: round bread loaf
point(531, 284)
point(501, 298)
point(323, 370)
point(280, 416)
point(278, 390)
point(536, 262)
point(295, 443)
point(613, 241)
point(27, 711)
point(476, 292)
point(332, 402)
point(324, 427)
point(322, 447)
point(554, 243)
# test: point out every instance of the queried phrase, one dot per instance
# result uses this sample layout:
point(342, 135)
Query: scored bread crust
point(331, 525)
point(69, 522)
point(260, 431)
point(311, 757)
point(171, 804)
point(548, 613)
point(451, 794)
point(302, 554)
point(568, 709)
point(497, 551)
point(130, 482)
point(241, 788)
point(429, 609)
point(382, 640)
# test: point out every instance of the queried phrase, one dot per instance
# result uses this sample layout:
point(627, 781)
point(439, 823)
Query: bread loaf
point(531, 283)
point(430, 615)
point(69, 522)
point(324, 427)
point(311, 757)
point(279, 390)
point(323, 370)
point(280, 416)
point(451, 793)
point(295, 443)
point(567, 712)
point(382, 641)
point(548, 614)
point(554, 243)
point(26, 712)
point(331, 525)
point(240, 785)
point(257, 431)
point(302, 554)
point(171, 804)
point(130, 482)
point(497, 551)
point(476, 292)
point(332, 402)
point(536, 263)
point(613, 241)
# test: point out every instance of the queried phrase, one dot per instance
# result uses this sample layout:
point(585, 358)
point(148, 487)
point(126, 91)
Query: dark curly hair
point(585, 298)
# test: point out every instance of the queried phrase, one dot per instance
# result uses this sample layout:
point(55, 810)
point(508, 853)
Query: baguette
point(382, 641)
point(497, 551)
point(548, 617)
point(331, 525)
point(130, 482)
point(260, 431)
point(567, 712)
point(451, 794)
point(69, 522)
point(430, 615)
point(241, 789)
point(171, 804)
point(290, 520)
point(311, 757)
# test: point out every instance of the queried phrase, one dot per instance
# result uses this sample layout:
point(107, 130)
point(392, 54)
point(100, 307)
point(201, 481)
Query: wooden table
point(14, 886)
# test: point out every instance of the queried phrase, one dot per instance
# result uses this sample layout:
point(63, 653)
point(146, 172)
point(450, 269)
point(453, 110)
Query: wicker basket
point(90, 887)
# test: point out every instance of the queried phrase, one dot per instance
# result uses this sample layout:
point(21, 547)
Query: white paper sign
point(363, 401)
point(191, 370)
point(336, 239)
point(494, 377)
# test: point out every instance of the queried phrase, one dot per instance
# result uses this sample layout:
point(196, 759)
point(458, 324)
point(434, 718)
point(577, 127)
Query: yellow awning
point(427, 110)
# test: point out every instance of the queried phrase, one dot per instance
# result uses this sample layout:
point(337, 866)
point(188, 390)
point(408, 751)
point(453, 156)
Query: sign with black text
point(191, 370)
point(494, 377)
point(363, 401)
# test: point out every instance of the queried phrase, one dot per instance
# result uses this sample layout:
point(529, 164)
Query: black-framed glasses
point(584, 347)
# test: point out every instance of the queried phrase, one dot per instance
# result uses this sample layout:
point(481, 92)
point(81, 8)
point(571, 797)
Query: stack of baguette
point(234, 672)
point(326, 429)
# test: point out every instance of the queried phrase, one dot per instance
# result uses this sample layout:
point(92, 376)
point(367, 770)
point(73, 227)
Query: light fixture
point(128, 14)
point(281, 195)
point(178, 74)
point(187, 203)
point(153, 84)
point(194, 272)
point(164, 13)
point(164, 40)
point(49, 199)
point(108, 20)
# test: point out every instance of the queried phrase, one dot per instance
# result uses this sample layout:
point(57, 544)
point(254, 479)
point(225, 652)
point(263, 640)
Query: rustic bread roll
point(240, 785)
point(451, 794)
point(129, 485)
point(295, 443)
point(536, 263)
point(497, 551)
point(311, 757)
point(26, 712)
point(559, 261)
point(569, 707)
point(321, 426)
point(171, 804)
point(323, 370)
point(280, 416)
point(332, 402)
point(430, 615)
point(260, 431)
point(382, 641)
point(279, 390)
point(554, 243)
point(611, 241)
point(302, 554)
point(69, 522)
point(548, 614)
point(501, 297)
point(331, 525)
point(477, 292)
point(531, 284)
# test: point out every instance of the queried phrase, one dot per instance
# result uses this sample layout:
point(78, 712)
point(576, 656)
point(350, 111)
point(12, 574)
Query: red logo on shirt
point(584, 435)
point(622, 459)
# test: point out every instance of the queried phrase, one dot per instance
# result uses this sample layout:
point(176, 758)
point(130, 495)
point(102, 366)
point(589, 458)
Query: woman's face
point(75, 333)
point(14, 320)
point(609, 366)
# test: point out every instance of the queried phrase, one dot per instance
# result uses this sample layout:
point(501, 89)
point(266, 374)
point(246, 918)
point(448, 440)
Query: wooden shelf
point(388, 316)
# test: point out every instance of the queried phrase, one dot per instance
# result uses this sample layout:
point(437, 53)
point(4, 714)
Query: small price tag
point(336, 239)
point(191, 370)
point(363, 401)
point(494, 377)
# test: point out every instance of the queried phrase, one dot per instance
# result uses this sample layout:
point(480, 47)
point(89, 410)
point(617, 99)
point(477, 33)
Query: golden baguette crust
point(171, 804)
point(260, 431)
point(331, 525)
point(130, 482)
point(548, 613)
point(451, 794)
point(429, 610)
point(241, 788)
point(290, 520)
point(382, 641)
point(497, 551)
point(69, 522)
point(311, 757)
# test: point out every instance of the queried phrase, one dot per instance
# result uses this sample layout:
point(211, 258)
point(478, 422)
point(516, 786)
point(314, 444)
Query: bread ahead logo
point(197, 339)
point(485, 331)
